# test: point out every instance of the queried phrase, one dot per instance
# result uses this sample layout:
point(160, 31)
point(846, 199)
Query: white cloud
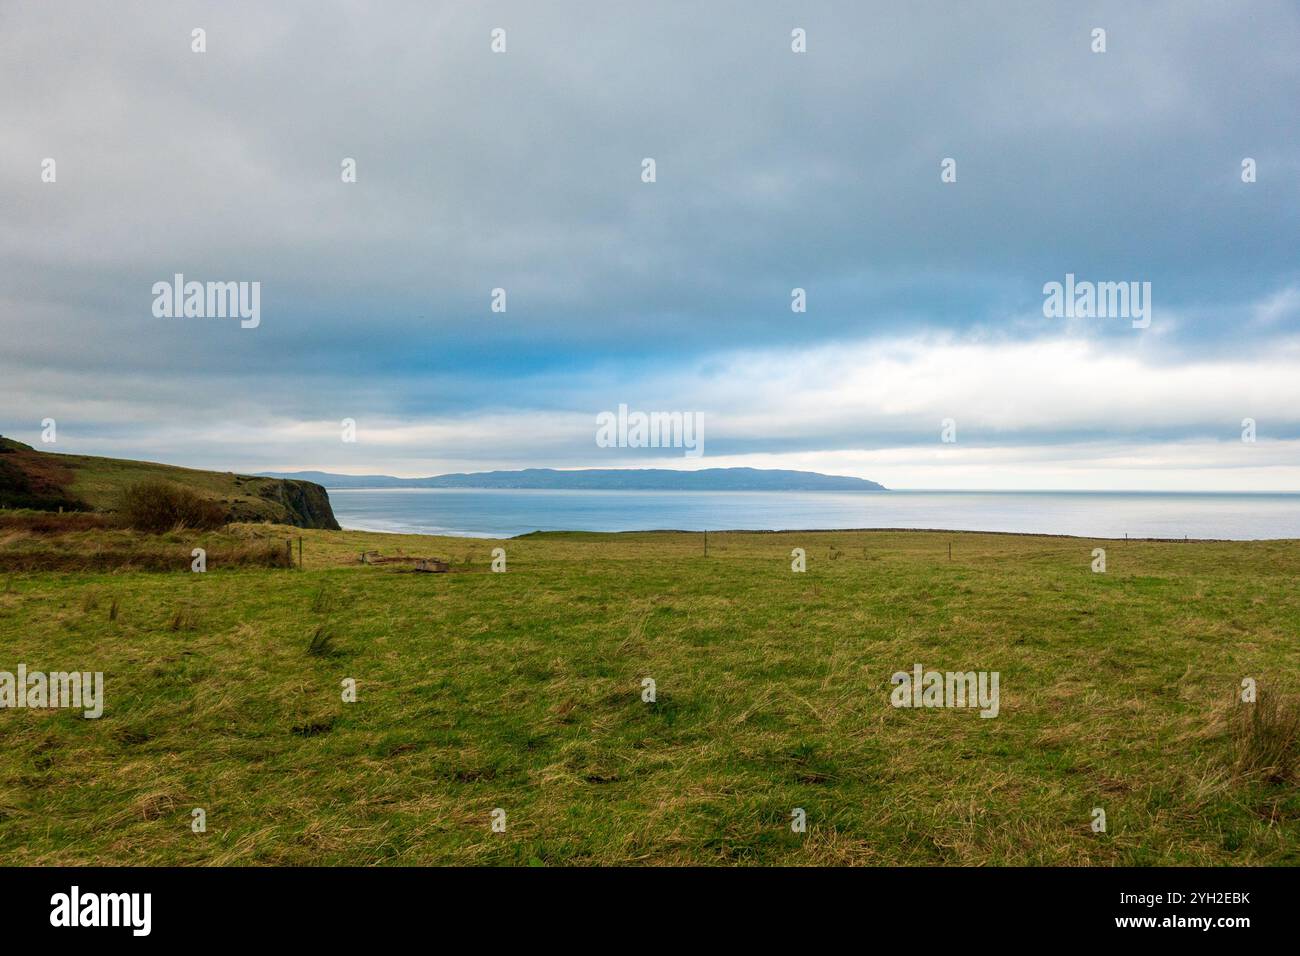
point(1052, 387)
point(1042, 414)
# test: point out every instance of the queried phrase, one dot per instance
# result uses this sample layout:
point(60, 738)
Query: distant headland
point(604, 479)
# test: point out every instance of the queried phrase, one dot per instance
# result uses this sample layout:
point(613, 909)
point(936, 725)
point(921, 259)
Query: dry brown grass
point(121, 550)
point(52, 522)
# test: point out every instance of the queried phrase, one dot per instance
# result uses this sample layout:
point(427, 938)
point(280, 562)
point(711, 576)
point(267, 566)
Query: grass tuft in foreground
point(1268, 738)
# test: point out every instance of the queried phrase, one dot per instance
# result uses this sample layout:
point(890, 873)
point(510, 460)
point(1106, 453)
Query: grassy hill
point(47, 482)
point(523, 691)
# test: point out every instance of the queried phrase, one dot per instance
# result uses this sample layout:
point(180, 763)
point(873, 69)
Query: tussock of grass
point(322, 642)
point(184, 618)
point(314, 727)
point(324, 600)
point(1267, 737)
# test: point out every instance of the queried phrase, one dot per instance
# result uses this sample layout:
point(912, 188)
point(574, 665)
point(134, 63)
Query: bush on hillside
point(158, 506)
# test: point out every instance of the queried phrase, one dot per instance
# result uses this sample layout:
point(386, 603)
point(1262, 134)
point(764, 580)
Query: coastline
point(502, 513)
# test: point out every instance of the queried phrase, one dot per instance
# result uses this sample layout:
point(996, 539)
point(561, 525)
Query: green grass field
point(523, 691)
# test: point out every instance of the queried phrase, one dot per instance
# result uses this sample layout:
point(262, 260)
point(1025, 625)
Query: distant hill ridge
point(604, 479)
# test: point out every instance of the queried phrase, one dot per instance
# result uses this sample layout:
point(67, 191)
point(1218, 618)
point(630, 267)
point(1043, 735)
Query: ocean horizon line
point(826, 491)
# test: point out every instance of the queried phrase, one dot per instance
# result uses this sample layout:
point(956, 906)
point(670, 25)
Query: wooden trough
point(427, 565)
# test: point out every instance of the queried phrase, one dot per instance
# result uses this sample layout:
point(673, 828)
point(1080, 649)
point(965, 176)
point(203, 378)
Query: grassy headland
point(523, 691)
point(49, 482)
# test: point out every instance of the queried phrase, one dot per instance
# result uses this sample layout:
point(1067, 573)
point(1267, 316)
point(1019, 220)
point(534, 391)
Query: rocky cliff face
point(307, 503)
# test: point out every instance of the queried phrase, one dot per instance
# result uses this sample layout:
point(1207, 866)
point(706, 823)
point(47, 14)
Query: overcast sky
point(522, 170)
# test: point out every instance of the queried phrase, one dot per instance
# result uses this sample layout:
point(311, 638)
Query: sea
point(501, 513)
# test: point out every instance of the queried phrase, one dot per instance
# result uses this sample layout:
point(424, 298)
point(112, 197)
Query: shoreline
point(481, 513)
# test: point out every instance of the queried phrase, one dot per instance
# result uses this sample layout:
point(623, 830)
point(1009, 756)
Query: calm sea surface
point(502, 513)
